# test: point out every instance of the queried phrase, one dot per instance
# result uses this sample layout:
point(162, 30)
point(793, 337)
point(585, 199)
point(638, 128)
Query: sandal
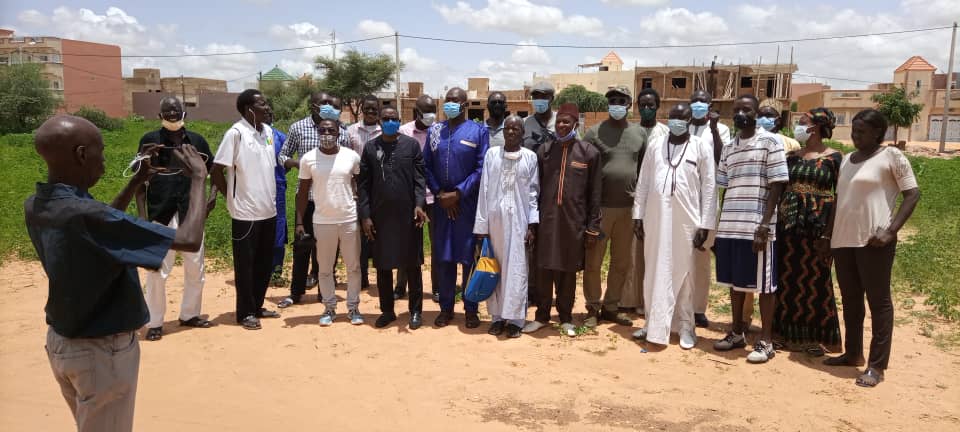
point(196, 322)
point(870, 378)
point(287, 302)
point(843, 360)
point(814, 351)
point(265, 313)
point(154, 334)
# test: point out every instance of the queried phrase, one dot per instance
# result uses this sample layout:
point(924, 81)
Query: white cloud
point(370, 28)
point(521, 17)
point(635, 2)
point(679, 24)
point(32, 17)
point(531, 54)
point(302, 34)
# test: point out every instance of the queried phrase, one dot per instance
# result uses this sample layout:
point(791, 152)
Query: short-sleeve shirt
point(706, 136)
point(867, 195)
point(169, 195)
point(250, 158)
point(332, 177)
point(360, 134)
point(496, 135)
point(747, 168)
point(90, 252)
point(621, 151)
point(535, 134)
point(410, 129)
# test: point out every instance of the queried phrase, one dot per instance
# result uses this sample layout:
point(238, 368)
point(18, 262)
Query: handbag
point(485, 275)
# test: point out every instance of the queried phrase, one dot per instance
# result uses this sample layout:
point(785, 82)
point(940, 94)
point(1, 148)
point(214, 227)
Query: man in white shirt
point(247, 155)
point(330, 171)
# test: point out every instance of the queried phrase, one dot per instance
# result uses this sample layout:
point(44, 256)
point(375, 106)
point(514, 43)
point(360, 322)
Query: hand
point(530, 237)
point(699, 238)
point(714, 117)
point(449, 200)
point(760, 238)
point(420, 217)
point(453, 212)
point(638, 229)
point(822, 246)
point(591, 239)
point(882, 238)
point(480, 237)
point(145, 171)
point(299, 232)
point(193, 165)
point(211, 203)
point(368, 229)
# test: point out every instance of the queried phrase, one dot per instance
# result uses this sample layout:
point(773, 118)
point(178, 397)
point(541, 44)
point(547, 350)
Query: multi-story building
point(80, 73)
point(188, 89)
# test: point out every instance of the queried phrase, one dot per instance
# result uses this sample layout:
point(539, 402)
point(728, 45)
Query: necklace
point(673, 167)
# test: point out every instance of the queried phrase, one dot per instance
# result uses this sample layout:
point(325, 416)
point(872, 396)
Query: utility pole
point(946, 94)
point(183, 91)
point(396, 45)
point(333, 37)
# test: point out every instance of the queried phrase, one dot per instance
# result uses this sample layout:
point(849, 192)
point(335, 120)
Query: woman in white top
point(864, 240)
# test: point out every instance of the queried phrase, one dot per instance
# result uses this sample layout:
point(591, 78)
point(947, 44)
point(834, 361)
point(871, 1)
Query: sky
point(175, 27)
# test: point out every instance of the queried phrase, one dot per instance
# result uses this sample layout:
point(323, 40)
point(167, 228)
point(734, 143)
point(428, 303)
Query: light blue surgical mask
point(677, 126)
point(390, 127)
point(801, 133)
point(570, 136)
point(699, 109)
point(617, 112)
point(328, 112)
point(428, 118)
point(541, 105)
point(767, 123)
point(451, 109)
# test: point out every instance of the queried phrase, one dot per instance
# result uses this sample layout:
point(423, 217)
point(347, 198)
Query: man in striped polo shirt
point(753, 170)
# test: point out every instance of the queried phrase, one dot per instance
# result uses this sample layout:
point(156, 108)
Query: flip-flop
point(814, 351)
point(154, 334)
point(196, 322)
point(870, 378)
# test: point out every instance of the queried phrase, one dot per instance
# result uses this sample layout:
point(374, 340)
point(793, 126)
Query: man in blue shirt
point(453, 158)
point(90, 253)
point(280, 174)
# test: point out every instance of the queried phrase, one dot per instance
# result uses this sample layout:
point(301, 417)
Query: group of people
point(664, 197)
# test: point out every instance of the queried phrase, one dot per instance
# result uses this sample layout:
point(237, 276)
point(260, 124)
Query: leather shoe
point(700, 320)
point(443, 319)
point(266, 313)
point(513, 331)
point(385, 319)
point(473, 320)
point(416, 320)
point(496, 328)
point(616, 317)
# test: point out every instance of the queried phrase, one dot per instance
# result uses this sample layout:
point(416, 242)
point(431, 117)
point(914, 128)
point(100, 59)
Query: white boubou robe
point(509, 187)
point(674, 198)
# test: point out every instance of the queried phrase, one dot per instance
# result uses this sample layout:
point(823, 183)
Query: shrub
point(99, 118)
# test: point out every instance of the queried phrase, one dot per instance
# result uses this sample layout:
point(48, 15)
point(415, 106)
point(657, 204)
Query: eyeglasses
point(327, 131)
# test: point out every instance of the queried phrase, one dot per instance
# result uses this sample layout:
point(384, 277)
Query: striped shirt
point(304, 137)
point(747, 168)
point(360, 134)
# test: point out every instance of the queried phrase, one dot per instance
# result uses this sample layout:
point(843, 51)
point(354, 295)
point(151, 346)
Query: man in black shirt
point(165, 200)
point(90, 253)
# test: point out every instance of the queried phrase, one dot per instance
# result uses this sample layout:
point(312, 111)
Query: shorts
point(741, 269)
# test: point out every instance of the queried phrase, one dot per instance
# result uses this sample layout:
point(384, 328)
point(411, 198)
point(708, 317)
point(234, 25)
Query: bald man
point(90, 253)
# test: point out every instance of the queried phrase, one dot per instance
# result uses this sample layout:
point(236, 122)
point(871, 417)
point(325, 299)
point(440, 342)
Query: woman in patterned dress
point(806, 316)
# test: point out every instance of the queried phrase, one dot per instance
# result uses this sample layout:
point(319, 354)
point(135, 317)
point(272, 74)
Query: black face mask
point(743, 122)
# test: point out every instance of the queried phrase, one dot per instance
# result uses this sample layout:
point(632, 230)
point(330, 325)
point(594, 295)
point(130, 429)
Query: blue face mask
point(451, 109)
point(699, 109)
point(617, 112)
point(541, 105)
point(677, 126)
point(767, 123)
point(390, 127)
point(328, 112)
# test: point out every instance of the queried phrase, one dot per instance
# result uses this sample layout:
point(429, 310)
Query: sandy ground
point(294, 375)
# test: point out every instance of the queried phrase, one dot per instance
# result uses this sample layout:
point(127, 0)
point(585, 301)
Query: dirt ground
point(294, 375)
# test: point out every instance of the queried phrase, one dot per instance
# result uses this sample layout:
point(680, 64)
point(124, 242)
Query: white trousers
point(348, 235)
point(193, 279)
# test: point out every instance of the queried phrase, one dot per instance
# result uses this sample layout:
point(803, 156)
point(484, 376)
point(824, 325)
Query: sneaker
point(640, 334)
point(533, 326)
point(590, 322)
point(355, 317)
point(568, 329)
point(327, 318)
point(762, 351)
point(731, 341)
point(688, 339)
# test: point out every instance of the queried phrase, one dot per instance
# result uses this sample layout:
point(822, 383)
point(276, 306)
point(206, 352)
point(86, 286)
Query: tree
point(25, 98)
point(586, 100)
point(897, 108)
point(289, 99)
point(356, 75)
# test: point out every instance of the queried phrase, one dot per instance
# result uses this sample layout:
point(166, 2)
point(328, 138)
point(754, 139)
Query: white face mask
point(172, 126)
point(800, 133)
point(328, 141)
point(428, 118)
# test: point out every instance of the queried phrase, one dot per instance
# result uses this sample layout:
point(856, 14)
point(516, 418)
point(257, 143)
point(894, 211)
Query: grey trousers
point(98, 378)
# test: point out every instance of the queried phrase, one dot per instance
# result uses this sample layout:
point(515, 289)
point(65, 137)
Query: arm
point(431, 180)
point(189, 235)
point(303, 194)
point(223, 159)
point(641, 193)
point(594, 185)
point(708, 190)
point(480, 225)
point(122, 199)
point(365, 192)
point(218, 180)
point(289, 147)
point(533, 195)
point(907, 182)
point(717, 137)
point(141, 200)
point(471, 184)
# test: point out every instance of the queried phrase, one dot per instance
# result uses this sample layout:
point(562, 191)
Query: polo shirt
point(90, 253)
point(249, 157)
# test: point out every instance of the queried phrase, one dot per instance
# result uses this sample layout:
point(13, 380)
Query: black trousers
point(303, 257)
point(566, 286)
point(385, 289)
point(252, 263)
point(866, 270)
point(401, 287)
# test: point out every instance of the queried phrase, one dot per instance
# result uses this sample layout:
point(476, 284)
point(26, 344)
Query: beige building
point(188, 89)
point(609, 74)
point(920, 80)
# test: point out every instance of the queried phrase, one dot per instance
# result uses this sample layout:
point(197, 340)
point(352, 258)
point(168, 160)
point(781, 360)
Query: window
point(190, 104)
point(523, 113)
point(4, 60)
point(841, 118)
point(746, 82)
point(44, 58)
point(647, 83)
point(56, 85)
point(770, 83)
point(678, 83)
point(919, 82)
point(475, 103)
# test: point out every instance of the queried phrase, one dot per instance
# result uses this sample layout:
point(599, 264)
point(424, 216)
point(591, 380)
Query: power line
point(698, 45)
point(232, 53)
